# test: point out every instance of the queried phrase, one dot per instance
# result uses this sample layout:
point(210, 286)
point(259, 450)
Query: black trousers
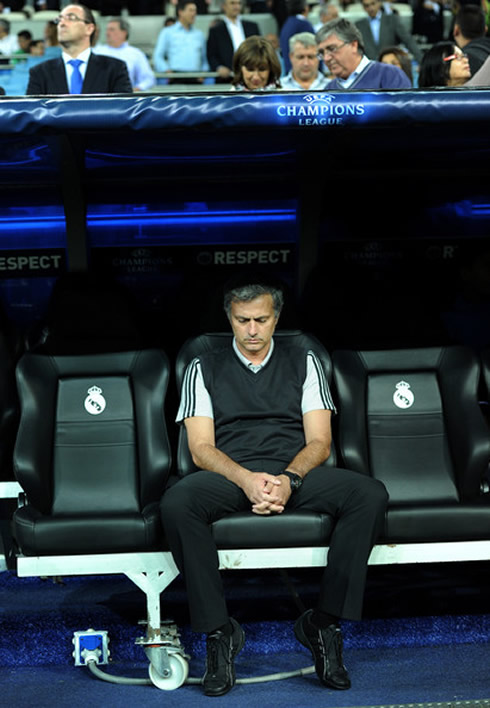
point(356, 502)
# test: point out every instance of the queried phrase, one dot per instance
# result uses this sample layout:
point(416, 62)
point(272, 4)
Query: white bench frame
point(153, 572)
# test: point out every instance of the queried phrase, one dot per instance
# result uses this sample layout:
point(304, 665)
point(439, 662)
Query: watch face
point(295, 480)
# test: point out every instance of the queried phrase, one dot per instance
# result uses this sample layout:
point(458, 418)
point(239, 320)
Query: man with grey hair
point(257, 416)
point(340, 45)
point(304, 74)
point(117, 34)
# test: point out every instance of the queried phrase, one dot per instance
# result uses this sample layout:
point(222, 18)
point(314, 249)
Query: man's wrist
point(295, 480)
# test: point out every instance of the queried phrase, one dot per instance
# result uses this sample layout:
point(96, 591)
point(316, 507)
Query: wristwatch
point(294, 480)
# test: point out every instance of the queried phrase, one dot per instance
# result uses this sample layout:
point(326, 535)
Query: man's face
point(340, 57)
point(232, 8)
point(72, 30)
point(253, 324)
point(304, 61)
point(188, 14)
point(115, 36)
point(372, 7)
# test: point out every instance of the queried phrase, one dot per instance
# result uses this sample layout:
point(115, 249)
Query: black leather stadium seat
point(245, 529)
point(411, 419)
point(92, 452)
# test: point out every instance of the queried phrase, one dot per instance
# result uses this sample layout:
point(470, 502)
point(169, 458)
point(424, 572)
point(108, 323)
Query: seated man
point(304, 74)
point(257, 416)
point(340, 44)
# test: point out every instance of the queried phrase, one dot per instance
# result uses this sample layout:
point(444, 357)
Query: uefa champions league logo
point(322, 109)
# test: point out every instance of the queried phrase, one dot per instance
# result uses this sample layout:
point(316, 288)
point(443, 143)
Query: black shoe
point(326, 647)
point(220, 667)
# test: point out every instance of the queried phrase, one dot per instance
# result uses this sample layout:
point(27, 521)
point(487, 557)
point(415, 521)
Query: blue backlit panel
point(193, 223)
point(32, 256)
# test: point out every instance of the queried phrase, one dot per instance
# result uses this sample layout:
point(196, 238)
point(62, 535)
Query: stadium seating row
point(145, 28)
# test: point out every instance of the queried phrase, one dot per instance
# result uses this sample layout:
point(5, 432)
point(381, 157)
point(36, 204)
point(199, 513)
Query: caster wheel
point(179, 670)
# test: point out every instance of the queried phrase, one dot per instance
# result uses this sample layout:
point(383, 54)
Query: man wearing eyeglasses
point(341, 48)
point(78, 70)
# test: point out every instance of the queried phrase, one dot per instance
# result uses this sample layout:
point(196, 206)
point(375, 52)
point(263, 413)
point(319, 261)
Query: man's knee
point(175, 500)
point(374, 492)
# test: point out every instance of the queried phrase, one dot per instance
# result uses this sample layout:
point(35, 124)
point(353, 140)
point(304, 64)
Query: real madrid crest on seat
point(403, 396)
point(95, 402)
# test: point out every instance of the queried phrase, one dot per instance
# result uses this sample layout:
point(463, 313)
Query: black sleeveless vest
point(258, 417)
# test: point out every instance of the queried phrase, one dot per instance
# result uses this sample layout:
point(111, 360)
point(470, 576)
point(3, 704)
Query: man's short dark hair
point(182, 4)
point(471, 21)
point(242, 291)
point(24, 34)
point(88, 16)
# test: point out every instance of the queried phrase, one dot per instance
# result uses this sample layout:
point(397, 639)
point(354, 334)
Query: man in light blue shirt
point(139, 69)
point(181, 47)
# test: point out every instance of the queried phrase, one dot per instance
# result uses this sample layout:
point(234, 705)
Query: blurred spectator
point(52, 47)
point(380, 29)
point(140, 72)
point(296, 22)
point(469, 35)
point(225, 37)
point(24, 38)
point(256, 66)
point(36, 48)
point(397, 57)
point(428, 20)
point(305, 74)
point(327, 12)
point(444, 64)
point(181, 47)
point(8, 42)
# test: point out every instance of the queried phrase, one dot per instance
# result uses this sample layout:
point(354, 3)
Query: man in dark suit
point(380, 30)
point(226, 36)
point(78, 70)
